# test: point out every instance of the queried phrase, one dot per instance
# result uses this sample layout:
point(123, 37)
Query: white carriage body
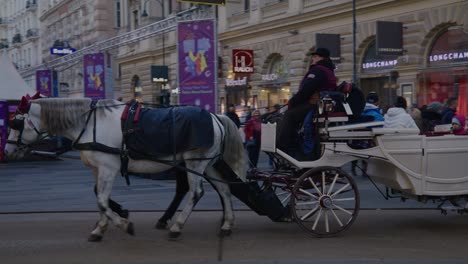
point(402, 159)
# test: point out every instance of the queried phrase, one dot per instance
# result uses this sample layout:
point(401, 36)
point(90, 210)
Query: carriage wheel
point(325, 201)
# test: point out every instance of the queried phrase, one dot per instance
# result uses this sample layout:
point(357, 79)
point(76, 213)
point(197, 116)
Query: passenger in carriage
point(372, 108)
point(320, 77)
point(431, 116)
point(459, 125)
point(397, 117)
point(449, 111)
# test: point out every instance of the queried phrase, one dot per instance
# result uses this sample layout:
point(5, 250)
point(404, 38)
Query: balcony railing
point(31, 5)
point(32, 33)
point(16, 39)
point(3, 21)
point(3, 44)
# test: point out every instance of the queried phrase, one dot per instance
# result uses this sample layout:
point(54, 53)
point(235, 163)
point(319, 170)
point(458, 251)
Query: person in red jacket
point(253, 133)
point(320, 77)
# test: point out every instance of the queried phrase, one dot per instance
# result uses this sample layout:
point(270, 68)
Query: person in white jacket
point(397, 117)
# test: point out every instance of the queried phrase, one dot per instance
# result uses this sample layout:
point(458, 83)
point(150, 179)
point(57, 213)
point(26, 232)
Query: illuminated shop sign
point(238, 82)
point(449, 56)
point(61, 51)
point(379, 64)
point(270, 77)
point(243, 61)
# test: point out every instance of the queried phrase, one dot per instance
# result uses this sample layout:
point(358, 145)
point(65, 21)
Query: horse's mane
point(60, 114)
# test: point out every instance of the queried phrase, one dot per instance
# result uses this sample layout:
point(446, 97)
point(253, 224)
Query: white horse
point(67, 117)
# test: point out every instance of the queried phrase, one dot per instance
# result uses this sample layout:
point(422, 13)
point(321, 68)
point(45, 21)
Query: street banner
point(44, 82)
point(197, 59)
point(243, 61)
point(94, 76)
point(3, 128)
point(206, 2)
point(389, 38)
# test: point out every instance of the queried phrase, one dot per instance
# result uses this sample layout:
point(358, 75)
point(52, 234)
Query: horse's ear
point(36, 96)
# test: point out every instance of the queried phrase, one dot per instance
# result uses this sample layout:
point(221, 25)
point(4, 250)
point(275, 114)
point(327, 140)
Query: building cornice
point(51, 11)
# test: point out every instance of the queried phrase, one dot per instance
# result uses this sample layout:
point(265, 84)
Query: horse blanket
point(166, 131)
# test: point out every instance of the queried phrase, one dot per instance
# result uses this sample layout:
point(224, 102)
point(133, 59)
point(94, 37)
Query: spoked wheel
point(325, 201)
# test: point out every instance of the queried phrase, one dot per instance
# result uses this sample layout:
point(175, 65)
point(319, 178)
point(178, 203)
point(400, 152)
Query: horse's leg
point(104, 187)
point(196, 192)
point(102, 223)
point(182, 187)
point(115, 206)
point(225, 195)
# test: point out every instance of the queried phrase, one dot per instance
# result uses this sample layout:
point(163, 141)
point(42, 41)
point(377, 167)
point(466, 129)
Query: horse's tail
point(234, 153)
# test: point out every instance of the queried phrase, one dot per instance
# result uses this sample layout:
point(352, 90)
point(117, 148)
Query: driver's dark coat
point(320, 77)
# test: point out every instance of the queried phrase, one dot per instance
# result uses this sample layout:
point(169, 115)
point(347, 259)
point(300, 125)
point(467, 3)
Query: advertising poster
point(44, 82)
point(94, 76)
point(197, 58)
point(3, 127)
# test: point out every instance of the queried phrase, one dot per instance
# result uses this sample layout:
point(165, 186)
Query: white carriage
point(325, 199)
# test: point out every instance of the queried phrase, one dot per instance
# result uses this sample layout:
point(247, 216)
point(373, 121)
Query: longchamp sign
point(243, 61)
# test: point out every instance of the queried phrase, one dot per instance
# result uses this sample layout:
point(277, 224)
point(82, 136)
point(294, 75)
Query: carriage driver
point(320, 77)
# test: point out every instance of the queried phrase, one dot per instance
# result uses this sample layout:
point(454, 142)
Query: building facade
point(19, 33)
point(282, 34)
point(74, 24)
point(135, 60)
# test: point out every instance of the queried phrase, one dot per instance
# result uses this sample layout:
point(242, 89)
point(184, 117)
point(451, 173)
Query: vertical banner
point(44, 82)
point(332, 42)
point(197, 59)
point(389, 38)
point(3, 128)
point(55, 84)
point(94, 76)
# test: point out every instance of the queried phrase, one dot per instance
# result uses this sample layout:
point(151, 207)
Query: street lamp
point(145, 14)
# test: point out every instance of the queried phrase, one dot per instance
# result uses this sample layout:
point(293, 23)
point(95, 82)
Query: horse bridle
point(18, 124)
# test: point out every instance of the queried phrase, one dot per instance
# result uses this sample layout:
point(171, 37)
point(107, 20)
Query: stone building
point(74, 24)
point(281, 33)
point(19, 33)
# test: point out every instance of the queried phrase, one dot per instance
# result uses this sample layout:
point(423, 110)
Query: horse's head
point(25, 129)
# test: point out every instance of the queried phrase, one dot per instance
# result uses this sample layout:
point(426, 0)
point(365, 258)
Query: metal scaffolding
point(145, 32)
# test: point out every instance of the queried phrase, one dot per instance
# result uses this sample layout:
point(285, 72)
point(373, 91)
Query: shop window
point(447, 72)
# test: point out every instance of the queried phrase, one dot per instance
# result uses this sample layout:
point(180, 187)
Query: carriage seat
point(333, 117)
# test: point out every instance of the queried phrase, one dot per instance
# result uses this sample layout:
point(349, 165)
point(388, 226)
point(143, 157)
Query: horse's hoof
point(225, 233)
point(130, 229)
point(174, 236)
point(94, 238)
point(161, 225)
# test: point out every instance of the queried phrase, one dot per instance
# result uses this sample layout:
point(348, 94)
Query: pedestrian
point(253, 135)
point(449, 111)
point(431, 116)
point(231, 113)
point(397, 117)
point(319, 77)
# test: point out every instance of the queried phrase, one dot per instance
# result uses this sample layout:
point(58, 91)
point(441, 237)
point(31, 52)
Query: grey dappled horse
point(67, 117)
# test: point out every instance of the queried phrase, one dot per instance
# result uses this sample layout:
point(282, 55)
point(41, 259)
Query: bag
point(354, 97)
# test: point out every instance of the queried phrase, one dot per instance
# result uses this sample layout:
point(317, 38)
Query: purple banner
point(3, 127)
point(94, 76)
point(44, 82)
point(197, 56)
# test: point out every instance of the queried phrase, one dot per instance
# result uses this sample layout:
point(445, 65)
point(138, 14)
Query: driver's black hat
point(322, 52)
